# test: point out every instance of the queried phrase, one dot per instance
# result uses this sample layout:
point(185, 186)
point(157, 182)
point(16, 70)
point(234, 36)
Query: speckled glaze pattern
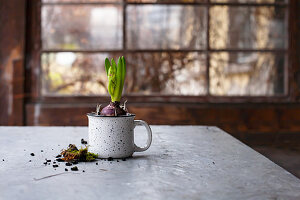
point(114, 136)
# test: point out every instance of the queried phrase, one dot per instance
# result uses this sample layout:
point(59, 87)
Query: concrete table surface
point(184, 162)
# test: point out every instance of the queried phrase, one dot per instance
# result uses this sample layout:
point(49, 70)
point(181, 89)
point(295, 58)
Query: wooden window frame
point(34, 51)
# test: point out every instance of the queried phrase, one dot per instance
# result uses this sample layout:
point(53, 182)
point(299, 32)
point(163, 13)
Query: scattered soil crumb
point(66, 169)
point(75, 162)
point(83, 141)
point(75, 168)
point(110, 159)
point(32, 154)
point(96, 163)
point(55, 166)
point(83, 171)
point(42, 151)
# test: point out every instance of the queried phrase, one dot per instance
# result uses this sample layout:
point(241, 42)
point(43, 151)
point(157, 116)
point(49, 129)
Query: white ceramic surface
point(114, 136)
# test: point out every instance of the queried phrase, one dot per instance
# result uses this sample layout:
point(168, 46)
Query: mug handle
point(143, 123)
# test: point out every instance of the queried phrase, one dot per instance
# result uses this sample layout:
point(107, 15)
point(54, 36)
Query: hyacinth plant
point(116, 76)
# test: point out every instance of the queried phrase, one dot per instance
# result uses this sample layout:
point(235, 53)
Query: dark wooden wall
point(12, 37)
point(252, 121)
point(255, 123)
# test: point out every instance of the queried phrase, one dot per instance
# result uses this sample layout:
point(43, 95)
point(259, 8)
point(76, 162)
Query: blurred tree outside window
point(172, 47)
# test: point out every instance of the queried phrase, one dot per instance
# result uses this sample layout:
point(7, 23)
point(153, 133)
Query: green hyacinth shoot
point(116, 77)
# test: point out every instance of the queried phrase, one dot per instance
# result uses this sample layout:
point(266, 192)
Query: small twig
point(98, 107)
point(37, 179)
point(124, 105)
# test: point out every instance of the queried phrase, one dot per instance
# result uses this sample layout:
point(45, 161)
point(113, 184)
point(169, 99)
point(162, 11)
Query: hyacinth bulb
point(113, 109)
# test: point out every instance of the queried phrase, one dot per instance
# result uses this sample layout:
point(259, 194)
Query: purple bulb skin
point(113, 109)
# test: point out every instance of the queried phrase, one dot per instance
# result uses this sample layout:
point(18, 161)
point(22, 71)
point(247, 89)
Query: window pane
point(74, 27)
point(166, 73)
point(166, 27)
point(246, 74)
point(79, 1)
point(166, 1)
point(247, 27)
point(249, 1)
point(68, 73)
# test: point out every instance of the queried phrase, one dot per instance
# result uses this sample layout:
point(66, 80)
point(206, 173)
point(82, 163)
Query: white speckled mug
point(114, 136)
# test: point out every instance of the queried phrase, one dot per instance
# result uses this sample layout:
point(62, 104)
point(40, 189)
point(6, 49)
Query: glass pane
point(249, 1)
point(247, 27)
point(68, 73)
point(166, 74)
point(79, 1)
point(251, 74)
point(166, 27)
point(166, 1)
point(74, 27)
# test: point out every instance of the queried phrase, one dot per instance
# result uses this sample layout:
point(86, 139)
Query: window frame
point(34, 51)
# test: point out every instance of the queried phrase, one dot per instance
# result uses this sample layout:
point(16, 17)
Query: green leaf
point(107, 65)
point(113, 63)
point(112, 80)
point(119, 80)
point(123, 74)
point(124, 70)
